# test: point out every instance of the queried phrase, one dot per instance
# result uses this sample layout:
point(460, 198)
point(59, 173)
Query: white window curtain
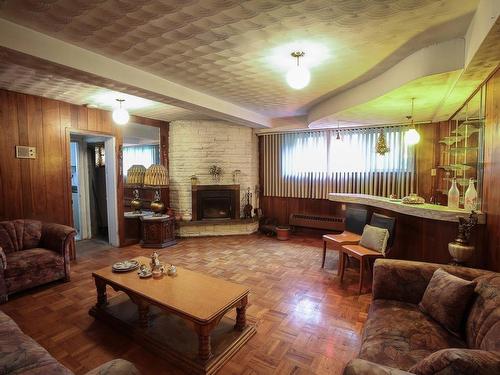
point(144, 155)
point(313, 164)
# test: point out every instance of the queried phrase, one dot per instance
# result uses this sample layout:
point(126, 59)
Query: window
point(314, 164)
point(143, 155)
point(321, 152)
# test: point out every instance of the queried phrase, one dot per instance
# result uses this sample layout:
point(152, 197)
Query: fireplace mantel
point(197, 192)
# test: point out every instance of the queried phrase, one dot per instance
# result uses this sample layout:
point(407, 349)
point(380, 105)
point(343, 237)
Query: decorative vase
point(470, 201)
point(135, 204)
point(460, 249)
point(453, 195)
point(157, 205)
point(460, 253)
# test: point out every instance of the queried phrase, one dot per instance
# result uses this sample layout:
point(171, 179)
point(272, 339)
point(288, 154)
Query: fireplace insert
point(215, 202)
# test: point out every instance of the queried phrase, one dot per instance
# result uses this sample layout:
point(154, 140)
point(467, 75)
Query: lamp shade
point(412, 137)
point(135, 174)
point(120, 116)
point(156, 175)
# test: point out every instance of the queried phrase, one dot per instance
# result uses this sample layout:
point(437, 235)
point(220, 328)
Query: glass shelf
point(456, 167)
point(456, 150)
point(460, 181)
point(452, 140)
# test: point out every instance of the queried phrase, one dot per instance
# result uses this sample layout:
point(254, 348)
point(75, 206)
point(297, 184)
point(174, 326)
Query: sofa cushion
point(20, 354)
point(32, 261)
point(459, 361)
point(446, 299)
point(483, 322)
point(398, 334)
point(16, 235)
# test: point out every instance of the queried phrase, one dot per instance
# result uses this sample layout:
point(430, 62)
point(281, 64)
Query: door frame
point(111, 183)
point(83, 190)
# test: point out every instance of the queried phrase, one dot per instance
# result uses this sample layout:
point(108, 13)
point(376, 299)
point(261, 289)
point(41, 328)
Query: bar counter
point(422, 231)
point(426, 210)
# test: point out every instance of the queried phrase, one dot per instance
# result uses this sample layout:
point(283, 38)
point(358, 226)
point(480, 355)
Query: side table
point(158, 231)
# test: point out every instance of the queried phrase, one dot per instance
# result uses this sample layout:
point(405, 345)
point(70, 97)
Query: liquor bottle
point(470, 203)
point(453, 195)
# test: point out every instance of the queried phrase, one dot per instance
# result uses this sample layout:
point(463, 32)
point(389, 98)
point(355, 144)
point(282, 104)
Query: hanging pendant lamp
point(298, 77)
point(412, 136)
point(120, 115)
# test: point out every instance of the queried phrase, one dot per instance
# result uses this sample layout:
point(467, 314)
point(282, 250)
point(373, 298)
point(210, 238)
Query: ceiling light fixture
point(120, 115)
point(298, 77)
point(412, 137)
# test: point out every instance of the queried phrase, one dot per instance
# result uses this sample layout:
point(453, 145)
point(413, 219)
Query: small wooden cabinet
point(158, 231)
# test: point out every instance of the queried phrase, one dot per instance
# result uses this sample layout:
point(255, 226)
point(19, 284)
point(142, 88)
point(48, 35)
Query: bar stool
point(355, 220)
point(364, 254)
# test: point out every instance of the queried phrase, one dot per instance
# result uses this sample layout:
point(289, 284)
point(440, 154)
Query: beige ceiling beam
point(113, 73)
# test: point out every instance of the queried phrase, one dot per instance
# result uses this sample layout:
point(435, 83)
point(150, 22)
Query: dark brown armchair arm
point(362, 367)
point(57, 237)
point(3, 287)
point(406, 281)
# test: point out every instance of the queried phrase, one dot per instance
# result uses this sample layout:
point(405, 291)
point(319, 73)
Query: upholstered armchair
point(32, 253)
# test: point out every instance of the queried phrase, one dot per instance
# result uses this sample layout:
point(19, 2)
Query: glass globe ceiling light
point(298, 76)
point(120, 115)
point(412, 137)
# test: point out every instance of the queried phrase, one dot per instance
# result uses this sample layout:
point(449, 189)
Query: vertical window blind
point(144, 155)
point(313, 164)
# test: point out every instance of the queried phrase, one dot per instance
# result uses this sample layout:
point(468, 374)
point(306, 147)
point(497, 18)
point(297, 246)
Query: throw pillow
point(446, 299)
point(458, 361)
point(374, 238)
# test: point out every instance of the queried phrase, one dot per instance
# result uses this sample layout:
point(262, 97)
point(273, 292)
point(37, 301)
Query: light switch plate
point(433, 172)
point(25, 152)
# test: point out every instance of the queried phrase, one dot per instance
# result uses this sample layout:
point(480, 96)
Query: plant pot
point(283, 233)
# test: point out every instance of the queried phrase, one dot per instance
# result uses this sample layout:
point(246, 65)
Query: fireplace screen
point(216, 208)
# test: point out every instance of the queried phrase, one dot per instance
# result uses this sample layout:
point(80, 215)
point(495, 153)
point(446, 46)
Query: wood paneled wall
point(41, 188)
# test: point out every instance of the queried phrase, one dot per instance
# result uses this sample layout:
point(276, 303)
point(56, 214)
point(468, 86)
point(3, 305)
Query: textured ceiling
point(228, 48)
point(27, 80)
point(394, 106)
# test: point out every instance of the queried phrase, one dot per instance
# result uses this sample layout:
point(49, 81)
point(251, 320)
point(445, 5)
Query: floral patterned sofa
point(400, 339)
point(32, 253)
point(20, 354)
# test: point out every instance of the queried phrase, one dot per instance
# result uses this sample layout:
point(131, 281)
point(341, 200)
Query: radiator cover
point(317, 221)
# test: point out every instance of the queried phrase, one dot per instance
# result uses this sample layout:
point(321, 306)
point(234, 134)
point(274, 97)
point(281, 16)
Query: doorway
point(94, 188)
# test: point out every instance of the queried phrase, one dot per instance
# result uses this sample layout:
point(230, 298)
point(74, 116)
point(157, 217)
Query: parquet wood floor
point(306, 322)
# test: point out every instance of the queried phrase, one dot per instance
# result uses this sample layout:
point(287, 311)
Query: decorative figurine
point(136, 203)
point(156, 266)
point(247, 210)
point(460, 249)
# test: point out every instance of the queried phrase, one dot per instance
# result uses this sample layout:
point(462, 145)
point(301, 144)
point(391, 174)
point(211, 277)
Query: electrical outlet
point(344, 207)
point(25, 152)
point(433, 172)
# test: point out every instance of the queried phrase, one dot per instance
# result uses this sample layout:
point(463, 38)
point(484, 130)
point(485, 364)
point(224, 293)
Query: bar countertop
point(426, 210)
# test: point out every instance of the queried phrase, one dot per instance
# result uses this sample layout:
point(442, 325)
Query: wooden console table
point(181, 318)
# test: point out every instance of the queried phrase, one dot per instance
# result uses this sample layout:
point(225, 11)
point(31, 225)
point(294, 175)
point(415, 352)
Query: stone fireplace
point(194, 146)
point(215, 202)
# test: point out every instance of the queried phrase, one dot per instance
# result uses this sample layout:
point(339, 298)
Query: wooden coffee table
point(182, 317)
